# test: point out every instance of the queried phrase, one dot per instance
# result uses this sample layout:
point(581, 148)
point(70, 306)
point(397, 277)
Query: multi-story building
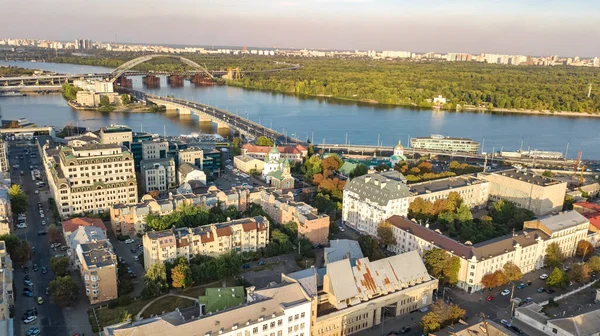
point(6, 217)
point(98, 266)
point(293, 153)
point(159, 174)
point(7, 296)
point(241, 235)
point(278, 310)
point(191, 155)
point(188, 172)
point(538, 193)
point(372, 198)
point(154, 149)
point(129, 219)
point(116, 134)
point(3, 156)
point(247, 163)
point(440, 143)
point(136, 147)
point(473, 191)
point(533, 315)
point(526, 248)
point(90, 178)
point(283, 209)
point(350, 299)
point(71, 225)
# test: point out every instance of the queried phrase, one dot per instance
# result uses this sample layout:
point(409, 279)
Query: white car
point(43, 222)
point(30, 319)
point(505, 292)
point(544, 276)
point(129, 241)
point(37, 192)
point(21, 226)
point(41, 215)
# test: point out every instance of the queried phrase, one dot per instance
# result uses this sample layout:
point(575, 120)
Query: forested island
point(465, 85)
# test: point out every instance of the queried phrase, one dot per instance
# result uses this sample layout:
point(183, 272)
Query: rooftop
point(555, 223)
point(343, 249)
point(444, 184)
point(218, 299)
point(245, 158)
point(585, 324)
point(72, 224)
point(527, 177)
point(487, 328)
point(115, 129)
point(95, 146)
point(379, 187)
point(98, 254)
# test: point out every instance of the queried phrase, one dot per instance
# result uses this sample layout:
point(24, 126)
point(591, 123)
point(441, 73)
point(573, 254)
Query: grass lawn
point(166, 304)
point(109, 316)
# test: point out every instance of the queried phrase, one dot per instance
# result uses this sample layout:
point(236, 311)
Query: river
point(319, 119)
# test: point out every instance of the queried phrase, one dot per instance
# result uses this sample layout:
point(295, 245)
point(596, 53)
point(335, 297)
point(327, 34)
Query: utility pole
point(483, 146)
point(590, 90)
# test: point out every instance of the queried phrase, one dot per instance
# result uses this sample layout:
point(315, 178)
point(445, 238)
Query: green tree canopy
point(264, 141)
point(360, 170)
point(580, 272)
point(594, 264)
point(558, 278)
point(59, 265)
point(18, 200)
point(64, 291)
point(554, 256)
point(385, 234)
point(370, 247)
point(512, 271)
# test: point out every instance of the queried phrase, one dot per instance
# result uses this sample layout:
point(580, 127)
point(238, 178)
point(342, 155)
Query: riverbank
point(471, 109)
point(120, 108)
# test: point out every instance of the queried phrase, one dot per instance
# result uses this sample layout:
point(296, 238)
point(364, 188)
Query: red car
point(490, 298)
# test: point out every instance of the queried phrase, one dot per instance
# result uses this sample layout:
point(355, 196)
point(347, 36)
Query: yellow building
point(246, 163)
point(241, 235)
point(7, 299)
point(98, 266)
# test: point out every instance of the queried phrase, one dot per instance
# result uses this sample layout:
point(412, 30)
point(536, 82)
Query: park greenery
point(69, 91)
point(554, 256)
point(64, 291)
point(386, 234)
point(14, 71)
point(558, 278)
point(440, 316)
point(442, 266)
point(264, 141)
point(509, 273)
point(584, 249)
point(369, 245)
point(18, 200)
point(190, 216)
point(324, 175)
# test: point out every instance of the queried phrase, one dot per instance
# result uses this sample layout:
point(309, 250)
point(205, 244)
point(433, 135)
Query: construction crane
point(581, 175)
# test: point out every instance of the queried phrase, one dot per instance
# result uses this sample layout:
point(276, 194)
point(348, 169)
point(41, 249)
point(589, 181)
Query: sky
point(528, 27)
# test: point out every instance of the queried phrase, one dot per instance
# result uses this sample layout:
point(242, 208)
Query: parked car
point(33, 331)
point(21, 226)
point(404, 330)
point(490, 298)
point(30, 319)
point(550, 290)
point(133, 250)
point(260, 263)
point(506, 323)
point(505, 292)
point(544, 276)
point(527, 300)
point(44, 270)
point(529, 283)
point(516, 329)
point(521, 286)
point(40, 300)
point(64, 248)
point(136, 258)
point(35, 267)
point(27, 293)
point(26, 270)
point(245, 266)
point(129, 241)
point(541, 290)
point(28, 283)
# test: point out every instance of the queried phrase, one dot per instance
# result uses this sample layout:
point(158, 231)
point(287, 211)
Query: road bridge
point(223, 118)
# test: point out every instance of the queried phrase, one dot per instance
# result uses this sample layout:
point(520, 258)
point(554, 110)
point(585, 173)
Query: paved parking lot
point(271, 271)
point(124, 251)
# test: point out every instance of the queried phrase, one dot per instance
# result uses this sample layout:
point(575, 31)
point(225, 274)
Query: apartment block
point(116, 134)
point(241, 235)
point(7, 296)
point(278, 310)
point(154, 149)
point(526, 248)
point(283, 209)
point(538, 193)
point(159, 174)
point(351, 298)
point(72, 225)
point(89, 178)
point(6, 217)
point(293, 153)
point(98, 266)
point(191, 155)
point(4, 156)
point(129, 219)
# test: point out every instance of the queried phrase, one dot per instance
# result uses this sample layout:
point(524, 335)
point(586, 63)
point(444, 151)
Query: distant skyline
point(527, 27)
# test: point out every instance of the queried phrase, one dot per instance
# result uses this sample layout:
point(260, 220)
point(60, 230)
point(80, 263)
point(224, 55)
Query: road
point(50, 316)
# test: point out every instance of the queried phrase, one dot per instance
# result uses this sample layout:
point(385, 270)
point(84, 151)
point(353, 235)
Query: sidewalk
point(76, 318)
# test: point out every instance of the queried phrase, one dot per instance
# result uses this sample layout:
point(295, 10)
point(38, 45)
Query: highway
point(50, 316)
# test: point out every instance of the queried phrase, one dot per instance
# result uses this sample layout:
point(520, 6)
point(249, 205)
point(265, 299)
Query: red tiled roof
point(207, 237)
point(593, 216)
point(298, 149)
point(587, 205)
point(72, 224)
point(226, 231)
point(594, 219)
point(249, 226)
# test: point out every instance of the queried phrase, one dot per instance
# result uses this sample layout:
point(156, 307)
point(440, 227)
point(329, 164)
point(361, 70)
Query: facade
point(158, 174)
point(348, 299)
point(136, 149)
point(370, 199)
point(98, 266)
point(276, 170)
point(191, 155)
point(116, 134)
point(398, 155)
point(293, 153)
point(130, 219)
point(526, 248)
point(6, 217)
point(188, 172)
point(4, 156)
point(279, 310)
point(90, 178)
point(241, 235)
point(283, 209)
point(577, 325)
point(473, 191)
point(93, 99)
point(247, 163)
point(540, 194)
point(591, 211)
point(7, 295)
point(440, 143)
point(154, 149)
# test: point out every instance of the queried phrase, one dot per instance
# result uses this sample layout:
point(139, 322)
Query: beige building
point(278, 310)
point(7, 295)
point(526, 248)
point(116, 134)
point(3, 156)
point(577, 325)
point(540, 194)
point(241, 235)
point(98, 266)
point(293, 153)
point(353, 297)
point(6, 217)
point(130, 219)
point(246, 163)
point(473, 191)
point(90, 178)
point(155, 149)
point(92, 98)
point(158, 174)
point(283, 209)
point(191, 155)
point(188, 172)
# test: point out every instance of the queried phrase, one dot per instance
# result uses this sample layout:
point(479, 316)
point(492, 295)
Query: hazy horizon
point(504, 27)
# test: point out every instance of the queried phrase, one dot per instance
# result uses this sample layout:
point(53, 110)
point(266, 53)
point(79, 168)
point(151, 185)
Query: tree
point(332, 162)
point(558, 278)
point(370, 247)
point(54, 234)
point(385, 233)
point(580, 272)
point(421, 209)
point(22, 253)
point(568, 203)
point(451, 269)
point(489, 280)
point(18, 200)
point(155, 280)
point(548, 173)
point(104, 101)
point(512, 271)
point(125, 99)
point(311, 167)
point(360, 170)
point(435, 260)
point(430, 322)
point(584, 249)
point(264, 141)
point(554, 256)
point(154, 193)
point(59, 265)
point(64, 291)
point(594, 264)
point(181, 275)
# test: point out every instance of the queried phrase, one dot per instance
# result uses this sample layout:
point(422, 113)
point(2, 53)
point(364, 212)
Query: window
point(302, 315)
